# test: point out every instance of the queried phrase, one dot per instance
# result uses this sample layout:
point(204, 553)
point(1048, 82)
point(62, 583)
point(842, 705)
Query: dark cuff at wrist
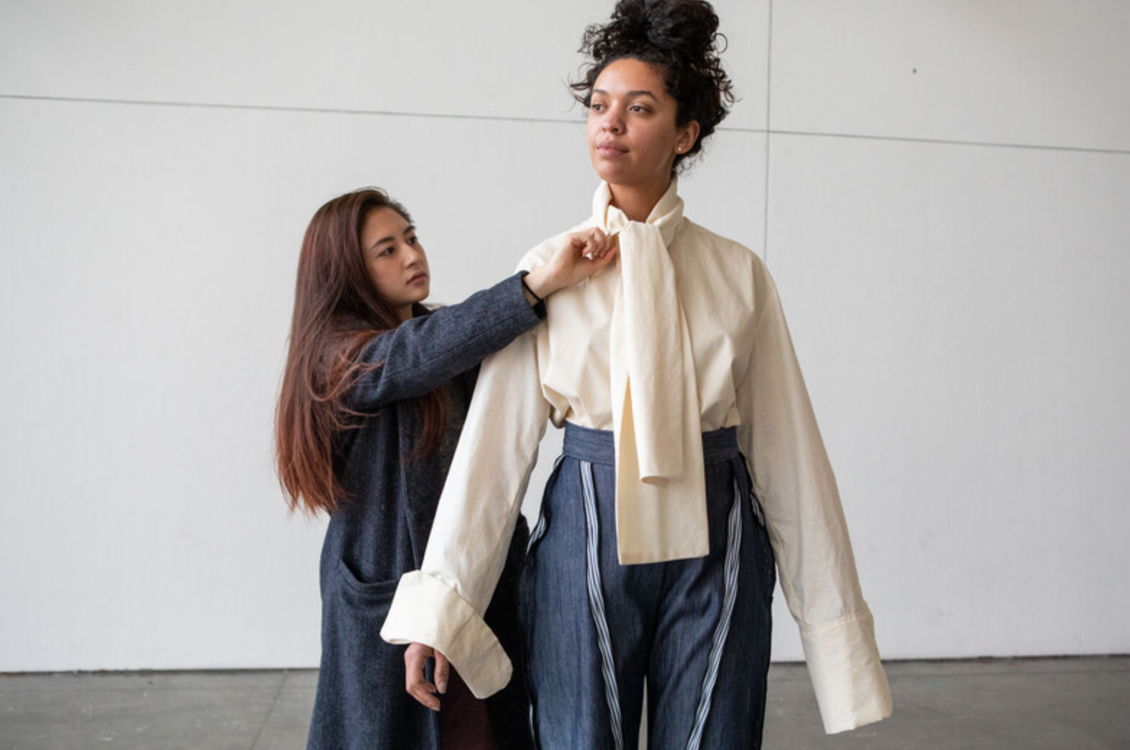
point(539, 306)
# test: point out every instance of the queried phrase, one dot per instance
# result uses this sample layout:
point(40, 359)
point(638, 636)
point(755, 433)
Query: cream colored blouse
point(603, 361)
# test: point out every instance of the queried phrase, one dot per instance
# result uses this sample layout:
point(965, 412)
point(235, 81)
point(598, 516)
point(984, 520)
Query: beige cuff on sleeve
point(843, 662)
point(427, 611)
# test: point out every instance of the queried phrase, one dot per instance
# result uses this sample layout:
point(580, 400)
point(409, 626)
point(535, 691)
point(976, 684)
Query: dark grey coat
point(382, 530)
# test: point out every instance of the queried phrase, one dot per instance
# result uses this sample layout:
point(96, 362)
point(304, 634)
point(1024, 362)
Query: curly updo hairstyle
point(679, 36)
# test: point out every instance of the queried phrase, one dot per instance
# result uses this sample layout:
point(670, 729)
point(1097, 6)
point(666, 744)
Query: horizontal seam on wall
point(281, 108)
point(951, 142)
point(558, 121)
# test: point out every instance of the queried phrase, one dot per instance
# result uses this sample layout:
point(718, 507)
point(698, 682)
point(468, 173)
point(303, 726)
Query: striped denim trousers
point(696, 631)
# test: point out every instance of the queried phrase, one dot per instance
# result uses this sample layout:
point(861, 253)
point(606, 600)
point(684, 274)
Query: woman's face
point(395, 260)
point(633, 139)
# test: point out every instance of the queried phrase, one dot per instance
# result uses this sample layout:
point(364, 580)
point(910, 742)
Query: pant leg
point(585, 627)
point(710, 657)
point(562, 659)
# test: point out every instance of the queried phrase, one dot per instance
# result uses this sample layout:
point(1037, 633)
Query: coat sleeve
point(442, 604)
point(421, 354)
point(793, 480)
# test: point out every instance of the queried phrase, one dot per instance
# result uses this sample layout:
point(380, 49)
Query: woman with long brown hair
point(374, 394)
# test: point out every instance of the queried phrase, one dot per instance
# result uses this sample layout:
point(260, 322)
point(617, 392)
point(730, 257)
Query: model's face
point(633, 139)
point(395, 260)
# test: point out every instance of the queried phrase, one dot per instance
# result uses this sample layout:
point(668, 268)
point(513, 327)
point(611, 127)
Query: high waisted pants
point(697, 631)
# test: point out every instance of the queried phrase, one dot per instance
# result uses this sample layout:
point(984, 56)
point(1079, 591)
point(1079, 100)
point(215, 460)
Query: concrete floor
point(1023, 704)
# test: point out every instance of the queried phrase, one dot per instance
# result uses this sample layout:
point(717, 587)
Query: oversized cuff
point(427, 611)
point(843, 662)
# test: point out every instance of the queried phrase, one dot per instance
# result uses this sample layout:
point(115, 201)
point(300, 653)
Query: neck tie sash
point(660, 484)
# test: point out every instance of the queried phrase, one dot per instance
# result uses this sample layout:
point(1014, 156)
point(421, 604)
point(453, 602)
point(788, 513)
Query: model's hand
point(415, 658)
point(585, 253)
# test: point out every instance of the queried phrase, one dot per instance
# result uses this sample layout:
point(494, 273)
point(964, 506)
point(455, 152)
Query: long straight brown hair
point(337, 312)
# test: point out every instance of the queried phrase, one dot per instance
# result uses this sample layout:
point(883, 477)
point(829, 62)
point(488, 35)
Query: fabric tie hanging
point(660, 485)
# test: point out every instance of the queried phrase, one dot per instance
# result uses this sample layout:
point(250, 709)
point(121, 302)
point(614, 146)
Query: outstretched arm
point(420, 354)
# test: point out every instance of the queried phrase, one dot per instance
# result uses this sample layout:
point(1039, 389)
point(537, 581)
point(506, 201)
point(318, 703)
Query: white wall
point(939, 189)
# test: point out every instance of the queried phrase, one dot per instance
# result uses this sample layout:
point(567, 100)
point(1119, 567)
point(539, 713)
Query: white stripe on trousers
point(733, 547)
point(539, 528)
point(596, 604)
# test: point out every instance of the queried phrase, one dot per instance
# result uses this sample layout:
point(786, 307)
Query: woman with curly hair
point(692, 469)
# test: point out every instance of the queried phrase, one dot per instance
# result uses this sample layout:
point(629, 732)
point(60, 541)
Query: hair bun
point(682, 27)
